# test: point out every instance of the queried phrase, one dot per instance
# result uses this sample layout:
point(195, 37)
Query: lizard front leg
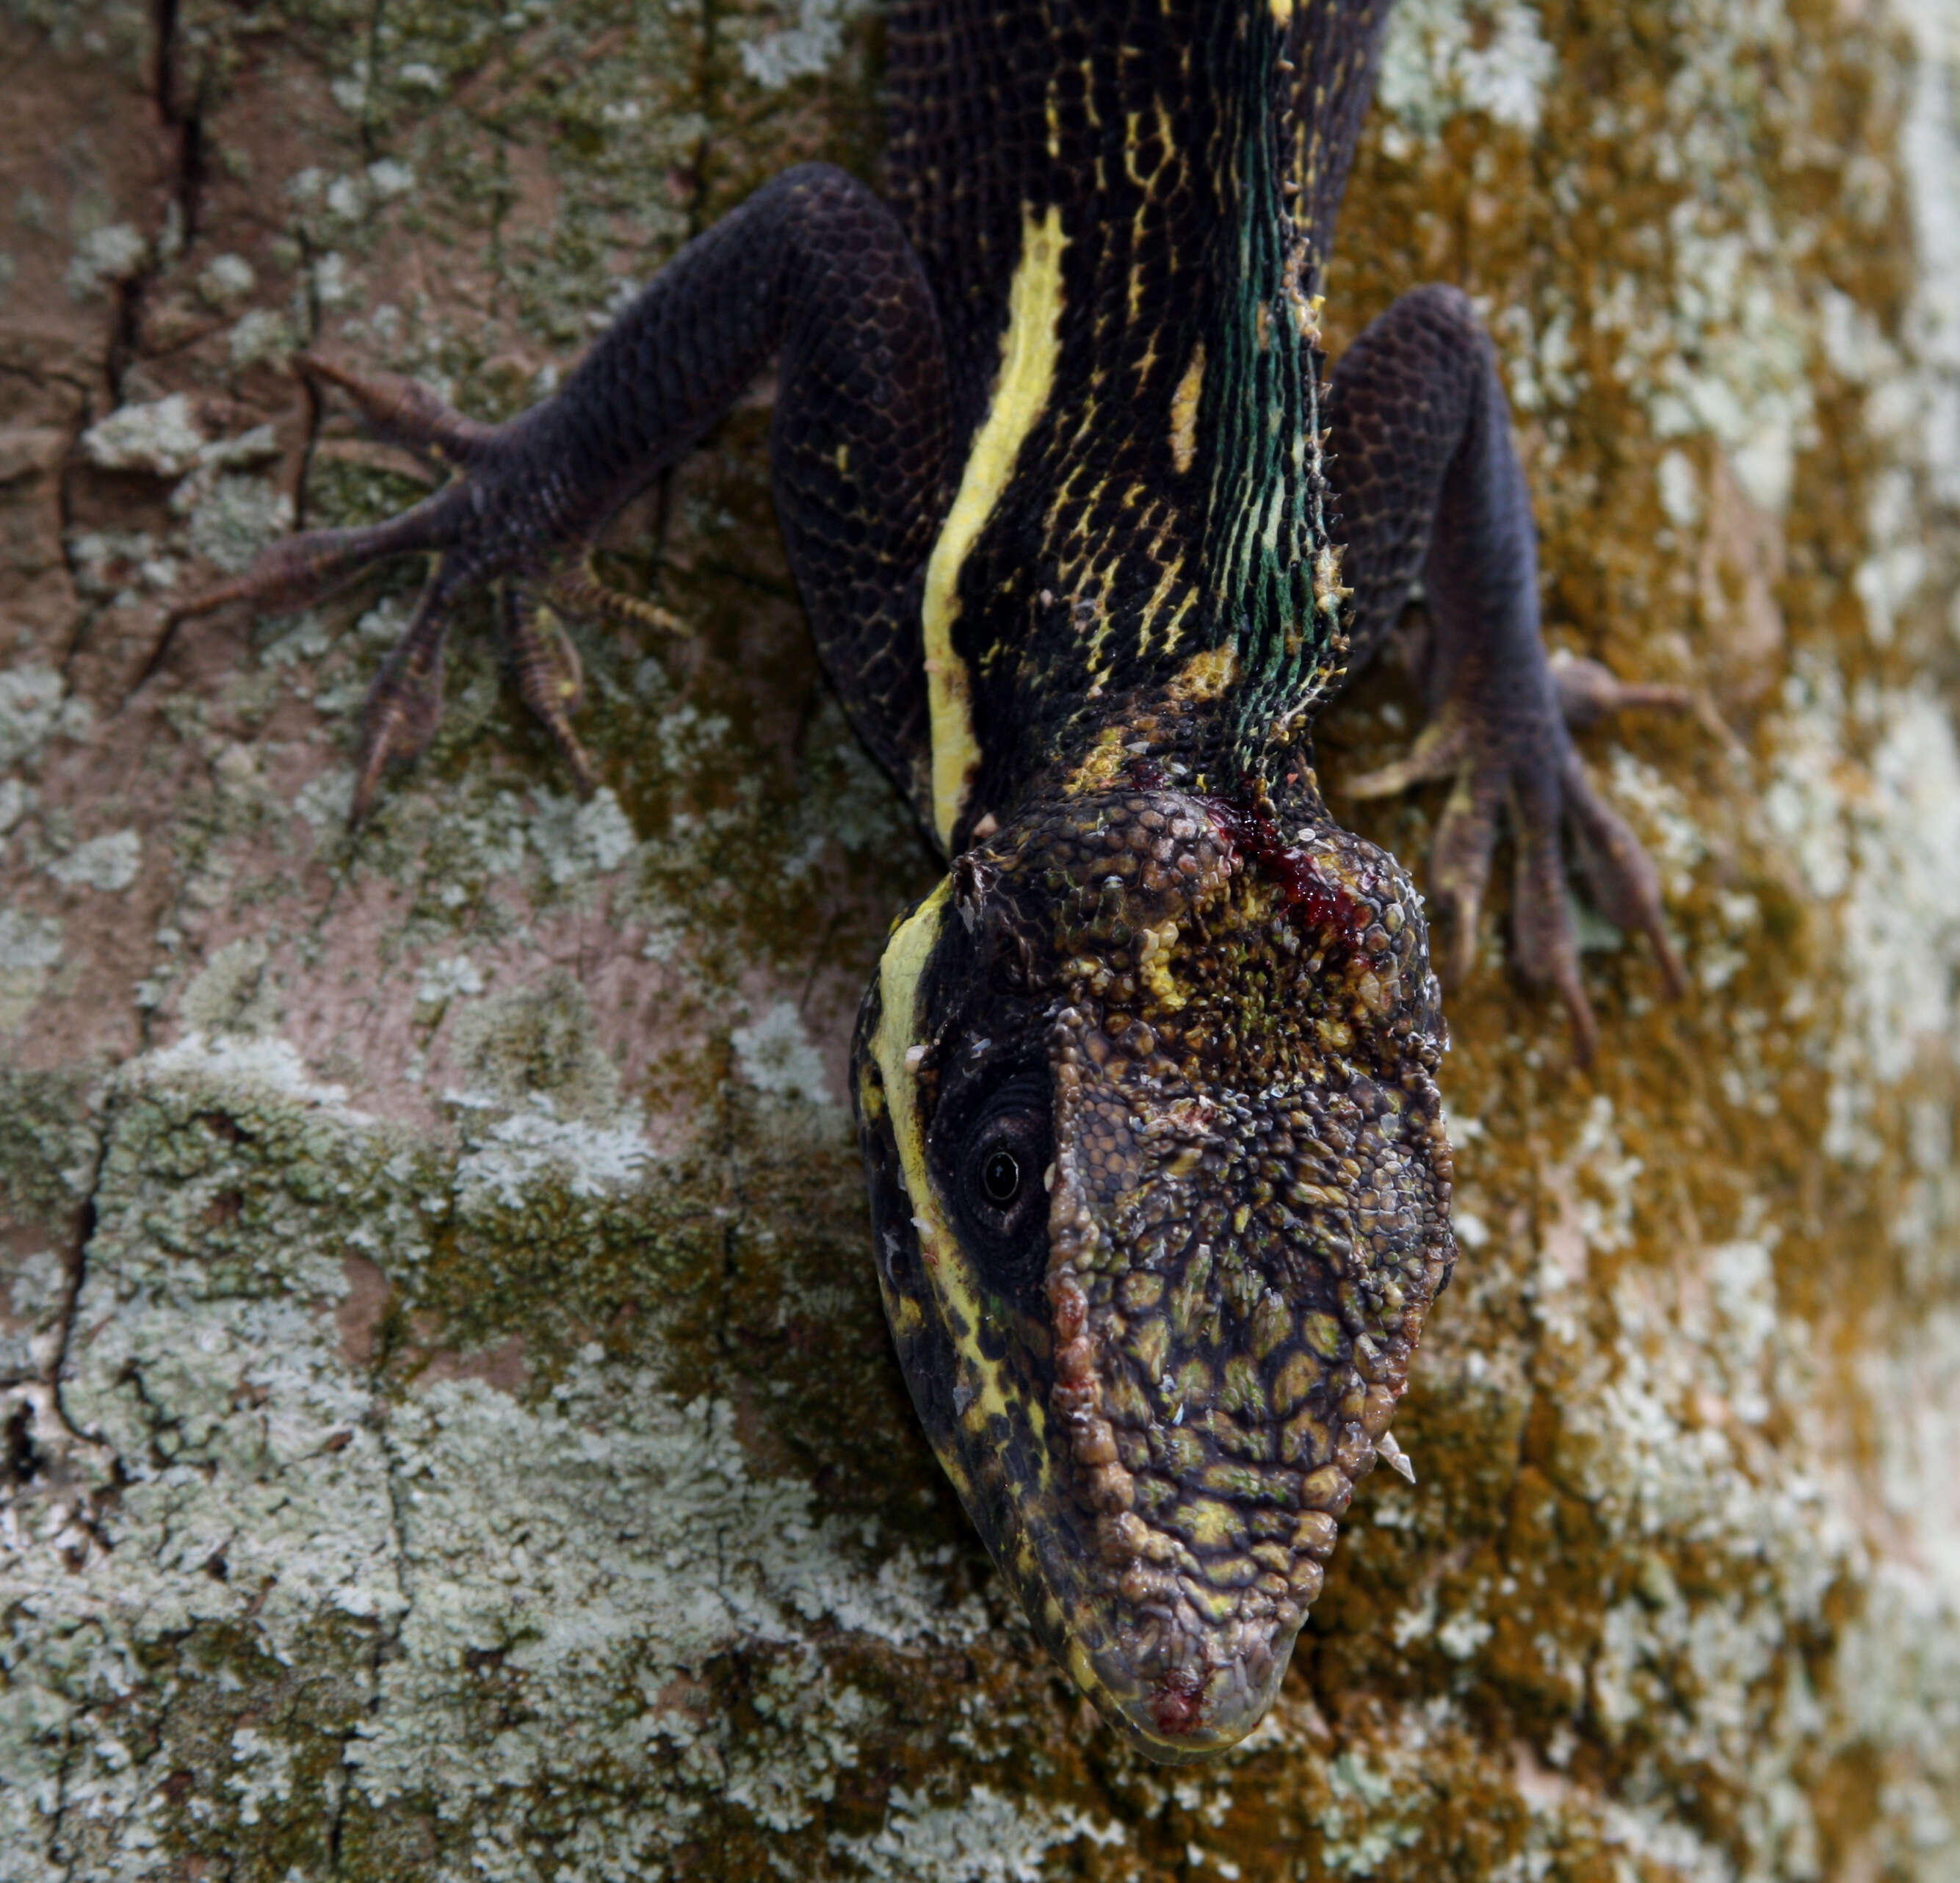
point(1427, 482)
point(813, 268)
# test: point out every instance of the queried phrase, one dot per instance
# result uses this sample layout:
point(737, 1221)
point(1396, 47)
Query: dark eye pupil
point(988, 1142)
point(1000, 1177)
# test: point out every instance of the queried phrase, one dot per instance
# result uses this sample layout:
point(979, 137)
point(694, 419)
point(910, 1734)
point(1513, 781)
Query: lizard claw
point(298, 571)
point(1588, 691)
point(546, 666)
point(1527, 767)
point(404, 705)
point(1459, 860)
point(541, 657)
point(1545, 942)
point(578, 588)
point(1438, 752)
point(1620, 875)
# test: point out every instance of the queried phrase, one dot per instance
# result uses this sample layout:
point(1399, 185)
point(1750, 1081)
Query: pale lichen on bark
point(449, 1431)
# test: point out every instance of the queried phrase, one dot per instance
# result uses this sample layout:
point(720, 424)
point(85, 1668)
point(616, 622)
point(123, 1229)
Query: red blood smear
point(1175, 1706)
point(1250, 829)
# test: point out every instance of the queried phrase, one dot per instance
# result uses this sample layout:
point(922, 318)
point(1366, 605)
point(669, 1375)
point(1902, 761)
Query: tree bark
point(449, 1427)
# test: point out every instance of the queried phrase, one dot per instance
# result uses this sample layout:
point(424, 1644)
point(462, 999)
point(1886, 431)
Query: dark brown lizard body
point(1158, 1172)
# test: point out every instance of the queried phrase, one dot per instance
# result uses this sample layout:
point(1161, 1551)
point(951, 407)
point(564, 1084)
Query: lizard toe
point(577, 588)
point(1588, 691)
point(1526, 770)
point(404, 412)
point(545, 664)
point(296, 572)
point(1621, 876)
point(1439, 752)
point(1544, 938)
point(1459, 862)
point(404, 705)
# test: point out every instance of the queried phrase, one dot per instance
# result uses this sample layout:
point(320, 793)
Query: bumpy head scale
point(1161, 1193)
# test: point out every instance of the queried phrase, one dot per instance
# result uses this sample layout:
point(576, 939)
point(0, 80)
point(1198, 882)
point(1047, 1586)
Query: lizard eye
point(1000, 1177)
point(993, 1153)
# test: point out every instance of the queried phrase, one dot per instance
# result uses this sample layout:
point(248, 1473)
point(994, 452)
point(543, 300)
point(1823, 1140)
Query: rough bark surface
point(449, 1431)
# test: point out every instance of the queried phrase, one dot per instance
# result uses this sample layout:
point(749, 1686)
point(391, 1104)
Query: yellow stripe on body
point(1174, 631)
point(949, 1274)
point(1028, 354)
point(1184, 411)
point(1173, 573)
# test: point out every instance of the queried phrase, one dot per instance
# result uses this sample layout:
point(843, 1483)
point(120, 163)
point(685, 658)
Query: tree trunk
point(452, 1429)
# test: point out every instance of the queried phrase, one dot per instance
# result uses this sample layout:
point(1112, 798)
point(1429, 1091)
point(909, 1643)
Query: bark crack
point(387, 1639)
point(46, 1463)
point(186, 118)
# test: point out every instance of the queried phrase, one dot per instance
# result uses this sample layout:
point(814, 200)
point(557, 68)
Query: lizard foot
point(1503, 761)
point(477, 529)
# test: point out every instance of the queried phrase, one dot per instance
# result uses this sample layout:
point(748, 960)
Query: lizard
point(1146, 1087)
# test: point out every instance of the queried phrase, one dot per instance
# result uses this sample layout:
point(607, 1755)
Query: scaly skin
point(1157, 1410)
point(1159, 1185)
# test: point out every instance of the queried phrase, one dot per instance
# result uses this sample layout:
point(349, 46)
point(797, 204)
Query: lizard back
point(1125, 212)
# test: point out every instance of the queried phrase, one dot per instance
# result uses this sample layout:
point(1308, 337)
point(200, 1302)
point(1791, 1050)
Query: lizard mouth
point(1192, 1714)
point(1181, 1682)
point(1154, 1396)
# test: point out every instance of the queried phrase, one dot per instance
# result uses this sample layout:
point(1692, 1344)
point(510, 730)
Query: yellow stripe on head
point(949, 1271)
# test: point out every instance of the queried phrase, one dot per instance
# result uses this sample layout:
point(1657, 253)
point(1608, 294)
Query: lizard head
point(1161, 1191)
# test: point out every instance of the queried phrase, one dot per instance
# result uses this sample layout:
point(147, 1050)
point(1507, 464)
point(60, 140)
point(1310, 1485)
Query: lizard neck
point(1185, 735)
